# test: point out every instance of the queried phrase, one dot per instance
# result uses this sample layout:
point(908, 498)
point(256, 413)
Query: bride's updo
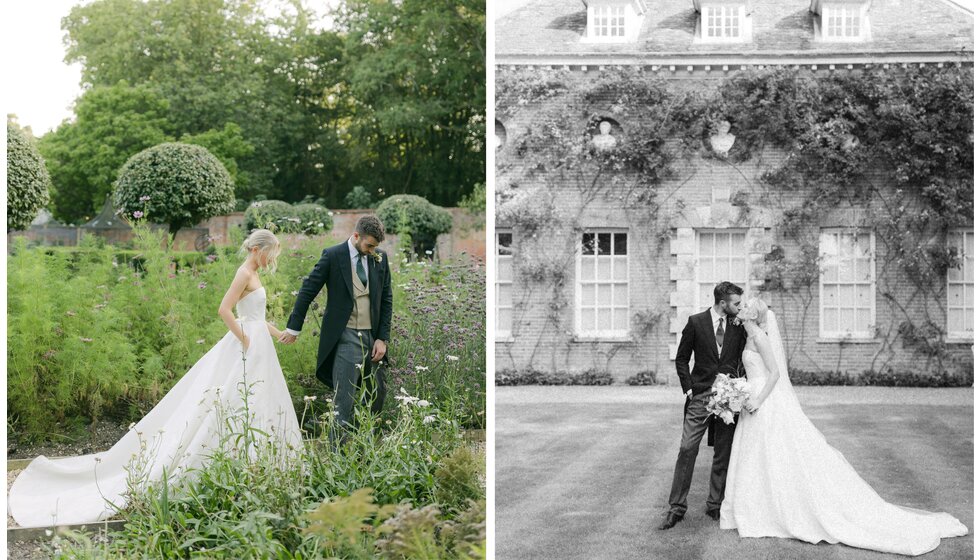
point(267, 243)
point(755, 310)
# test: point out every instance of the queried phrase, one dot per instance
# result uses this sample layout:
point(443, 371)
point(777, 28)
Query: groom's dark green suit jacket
point(333, 270)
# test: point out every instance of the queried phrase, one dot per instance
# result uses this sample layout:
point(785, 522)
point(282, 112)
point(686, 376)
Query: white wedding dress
point(178, 435)
point(785, 480)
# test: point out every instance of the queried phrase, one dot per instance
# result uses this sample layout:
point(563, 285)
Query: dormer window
point(722, 21)
point(609, 21)
point(841, 20)
point(614, 21)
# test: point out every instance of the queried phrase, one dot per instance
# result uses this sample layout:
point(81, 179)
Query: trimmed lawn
point(585, 472)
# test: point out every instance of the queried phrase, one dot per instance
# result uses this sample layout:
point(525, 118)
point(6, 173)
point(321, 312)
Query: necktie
point(720, 333)
point(360, 271)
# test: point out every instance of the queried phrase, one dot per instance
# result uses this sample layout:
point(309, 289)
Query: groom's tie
point(360, 271)
point(720, 333)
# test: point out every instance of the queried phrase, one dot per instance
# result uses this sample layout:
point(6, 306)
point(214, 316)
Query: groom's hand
point(287, 338)
point(380, 349)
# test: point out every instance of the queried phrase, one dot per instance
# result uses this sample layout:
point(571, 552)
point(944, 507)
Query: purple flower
point(144, 198)
point(138, 214)
point(211, 258)
point(202, 285)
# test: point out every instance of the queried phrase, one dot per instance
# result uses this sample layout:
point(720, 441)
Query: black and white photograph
point(733, 279)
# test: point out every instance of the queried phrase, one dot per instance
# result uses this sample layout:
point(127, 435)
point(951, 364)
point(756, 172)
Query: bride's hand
point(752, 405)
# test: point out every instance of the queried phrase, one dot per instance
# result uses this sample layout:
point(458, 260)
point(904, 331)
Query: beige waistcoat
point(360, 317)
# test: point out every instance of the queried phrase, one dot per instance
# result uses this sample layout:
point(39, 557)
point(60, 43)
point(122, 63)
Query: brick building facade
point(606, 286)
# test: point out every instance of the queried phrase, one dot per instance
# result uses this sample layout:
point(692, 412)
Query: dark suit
point(698, 337)
point(334, 270)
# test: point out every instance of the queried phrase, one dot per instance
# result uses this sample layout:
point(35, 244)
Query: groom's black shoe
point(713, 514)
point(671, 520)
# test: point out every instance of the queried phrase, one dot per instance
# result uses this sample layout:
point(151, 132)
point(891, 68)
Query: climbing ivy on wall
point(896, 140)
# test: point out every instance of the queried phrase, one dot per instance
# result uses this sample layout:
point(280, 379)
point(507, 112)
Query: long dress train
point(785, 480)
point(177, 435)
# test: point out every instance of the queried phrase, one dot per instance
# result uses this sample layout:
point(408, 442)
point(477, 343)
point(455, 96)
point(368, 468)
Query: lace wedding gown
point(177, 435)
point(785, 480)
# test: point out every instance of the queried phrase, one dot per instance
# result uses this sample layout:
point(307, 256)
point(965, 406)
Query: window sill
point(847, 340)
point(591, 339)
point(959, 340)
point(506, 339)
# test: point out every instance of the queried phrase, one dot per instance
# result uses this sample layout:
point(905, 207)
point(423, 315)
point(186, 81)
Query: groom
point(717, 345)
point(357, 322)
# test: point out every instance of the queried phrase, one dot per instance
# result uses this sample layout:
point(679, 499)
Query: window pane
point(862, 270)
point(605, 269)
point(831, 298)
point(604, 319)
point(847, 320)
point(863, 296)
point(588, 294)
point(588, 319)
point(706, 244)
point(505, 240)
point(620, 269)
point(968, 296)
point(505, 294)
point(706, 269)
point(504, 320)
point(738, 270)
point(620, 294)
point(968, 270)
point(605, 294)
point(621, 319)
point(620, 245)
point(956, 323)
point(505, 269)
point(830, 323)
point(847, 296)
point(862, 320)
point(588, 268)
point(588, 243)
point(956, 296)
point(605, 244)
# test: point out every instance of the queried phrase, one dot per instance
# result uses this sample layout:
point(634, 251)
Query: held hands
point(752, 405)
point(379, 351)
point(287, 338)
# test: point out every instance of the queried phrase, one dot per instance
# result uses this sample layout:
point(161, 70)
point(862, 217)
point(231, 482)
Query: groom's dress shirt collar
point(351, 248)
point(714, 321)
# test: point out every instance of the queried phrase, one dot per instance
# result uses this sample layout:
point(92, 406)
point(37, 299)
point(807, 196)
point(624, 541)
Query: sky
point(45, 87)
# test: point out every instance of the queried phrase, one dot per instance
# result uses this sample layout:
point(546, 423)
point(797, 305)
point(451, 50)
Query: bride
point(785, 480)
point(180, 432)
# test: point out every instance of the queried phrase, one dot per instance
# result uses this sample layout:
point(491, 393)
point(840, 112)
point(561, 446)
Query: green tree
point(27, 179)
point(111, 124)
point(414, 76)
point(175, 184)
point(407, 214)
point(229, 147)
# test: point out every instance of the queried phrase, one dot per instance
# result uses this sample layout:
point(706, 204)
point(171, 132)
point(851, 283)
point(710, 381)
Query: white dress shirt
point(714, 326)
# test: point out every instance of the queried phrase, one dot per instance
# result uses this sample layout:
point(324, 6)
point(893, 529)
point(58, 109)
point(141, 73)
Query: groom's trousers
point(696, 419)
point(352, 358)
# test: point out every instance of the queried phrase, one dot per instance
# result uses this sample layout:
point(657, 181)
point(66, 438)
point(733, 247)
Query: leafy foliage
point(416, 216)
point(358, 197)
point(175, 184)
point(112, 123)
point(28, 181)
point(282, 217)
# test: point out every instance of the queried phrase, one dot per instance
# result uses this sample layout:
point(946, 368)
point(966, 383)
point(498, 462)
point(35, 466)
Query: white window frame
point(613, 21)
point(741, 282)
point(503, 332)
point(868, 334)
point(611, 334)
point(852, 16)
point(967, 265)
point(731, 17)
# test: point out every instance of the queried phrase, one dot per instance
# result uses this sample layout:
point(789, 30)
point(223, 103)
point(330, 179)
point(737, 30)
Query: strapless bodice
point(252, 306)
point(755, 366)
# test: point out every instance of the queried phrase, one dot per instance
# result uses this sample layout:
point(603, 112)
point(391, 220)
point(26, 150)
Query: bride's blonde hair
point(267, 243)
point(755, 310)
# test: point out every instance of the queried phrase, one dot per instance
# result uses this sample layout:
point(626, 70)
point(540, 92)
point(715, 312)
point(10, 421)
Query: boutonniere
point(378, 255)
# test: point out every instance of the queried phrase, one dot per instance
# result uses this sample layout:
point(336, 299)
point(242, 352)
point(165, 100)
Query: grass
point(585, 473)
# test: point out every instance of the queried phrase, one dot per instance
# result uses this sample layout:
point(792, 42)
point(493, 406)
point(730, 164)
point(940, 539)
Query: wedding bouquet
point(728, 396)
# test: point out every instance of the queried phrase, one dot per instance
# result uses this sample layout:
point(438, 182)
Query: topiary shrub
point(415, 216)
point(358, 197)
point(282, 217)
point(27, 180)
point(174, 184)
